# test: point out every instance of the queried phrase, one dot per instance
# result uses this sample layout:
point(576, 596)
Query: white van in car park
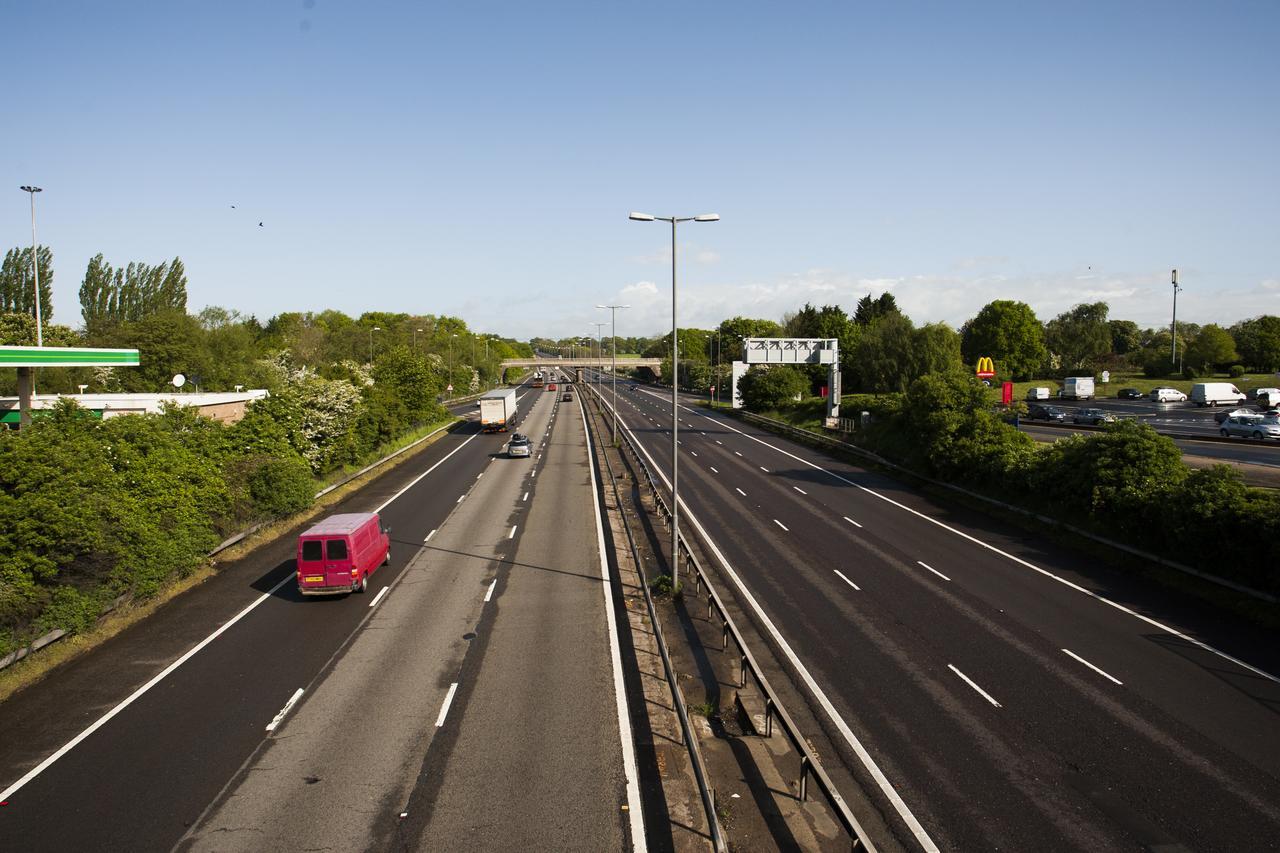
point(1077, 388)
point(1038, 394)
point(1216, 394)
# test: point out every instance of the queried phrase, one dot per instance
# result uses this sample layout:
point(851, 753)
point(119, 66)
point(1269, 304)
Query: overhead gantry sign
point(793, 351)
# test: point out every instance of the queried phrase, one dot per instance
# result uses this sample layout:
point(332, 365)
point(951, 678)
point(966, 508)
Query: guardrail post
point(710, 602)
point(804, 778)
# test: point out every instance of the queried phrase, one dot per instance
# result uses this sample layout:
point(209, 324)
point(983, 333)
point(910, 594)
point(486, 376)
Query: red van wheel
point(360, 585)
point(386, 561)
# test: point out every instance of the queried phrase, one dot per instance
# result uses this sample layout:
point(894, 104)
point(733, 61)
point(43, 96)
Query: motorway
point(989, 690)
point(467, 701)
point(1238, 452)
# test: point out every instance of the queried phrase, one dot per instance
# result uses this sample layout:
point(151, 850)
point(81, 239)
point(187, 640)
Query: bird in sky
point(259, 224)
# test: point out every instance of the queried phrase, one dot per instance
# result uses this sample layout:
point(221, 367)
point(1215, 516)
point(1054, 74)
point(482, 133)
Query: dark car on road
point(1046, 413)
point(1130, 394)
point(1097, 417)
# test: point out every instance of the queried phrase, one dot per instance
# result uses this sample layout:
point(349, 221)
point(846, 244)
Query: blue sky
point(480, 159)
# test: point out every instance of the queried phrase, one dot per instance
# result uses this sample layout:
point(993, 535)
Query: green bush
point(1236, 371)
point(771, 387)
point(281, 486)
point(1190, 372)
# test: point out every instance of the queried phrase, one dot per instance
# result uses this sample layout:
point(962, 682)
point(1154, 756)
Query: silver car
point(1252, 426)
point(518, 445)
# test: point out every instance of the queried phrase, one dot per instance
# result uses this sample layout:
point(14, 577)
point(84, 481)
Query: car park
point(1097, 417)
point(518, 446)
point(1129, 394)
point(1047, 413)
point(1252, 426)
point(1167, 395)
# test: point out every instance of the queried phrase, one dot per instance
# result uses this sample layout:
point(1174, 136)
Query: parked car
point(518, 446)
point(1252, 426)
point(1130, 394)
point(1224, 414)
point(1046, 413)
point(1097, 417)
point(1167, 395)
point(1039, 394)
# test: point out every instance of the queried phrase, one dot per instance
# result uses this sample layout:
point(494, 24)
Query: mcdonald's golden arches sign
point(986, 368)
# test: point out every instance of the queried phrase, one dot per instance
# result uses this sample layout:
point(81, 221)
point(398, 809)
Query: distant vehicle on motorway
point(1167, 395)
point(518, 446)
point(1216, 393)
point(1097, 417)
point(551, 387)
point(1130, 394)
point(1219, 417)
point(338, 554)
point(1038, 394)
point(1252, 426)
point(1046, 413)
point(497, 409)
point(566, 397)
point(1264, 398)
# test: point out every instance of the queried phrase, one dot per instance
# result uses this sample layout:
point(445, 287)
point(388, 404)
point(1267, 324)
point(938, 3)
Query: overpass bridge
point(540, 362)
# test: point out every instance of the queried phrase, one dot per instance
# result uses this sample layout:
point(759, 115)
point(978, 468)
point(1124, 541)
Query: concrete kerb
point(787, 429)
point(58, 633)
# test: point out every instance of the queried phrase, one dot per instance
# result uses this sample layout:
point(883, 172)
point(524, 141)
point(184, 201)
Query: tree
point(1259, 342)
point(1125, 337)
point(768, 387)
point(884, 359)
point(1008, 333)
point(935, 349)
point(110, 296)
point(869, 310)
point(1081, 336)
point(17, 283)
point(1213, 346)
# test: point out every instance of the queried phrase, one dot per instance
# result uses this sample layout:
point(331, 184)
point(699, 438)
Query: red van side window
point(311, 550)
point(337, 549)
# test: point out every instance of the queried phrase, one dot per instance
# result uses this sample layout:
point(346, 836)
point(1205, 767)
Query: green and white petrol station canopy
point(67, 357)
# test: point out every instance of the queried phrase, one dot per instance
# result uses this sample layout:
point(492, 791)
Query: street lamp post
point(599, 349)
point(1173, 356)
point(613, 335)
point(371, 331)
point(675, 406)
point(449, 381)
point(35, 261)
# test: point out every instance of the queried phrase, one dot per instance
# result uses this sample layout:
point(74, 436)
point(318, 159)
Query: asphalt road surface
point(160, 735)
point(992, 692)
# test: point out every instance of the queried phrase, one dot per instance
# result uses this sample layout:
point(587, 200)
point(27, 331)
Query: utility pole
point(1173, 356)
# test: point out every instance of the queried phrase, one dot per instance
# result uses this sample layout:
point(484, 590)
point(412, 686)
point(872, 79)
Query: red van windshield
point(336, 549)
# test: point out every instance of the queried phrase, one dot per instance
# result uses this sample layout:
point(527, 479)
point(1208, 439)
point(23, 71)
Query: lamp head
point(641, 217)
point(707, 217)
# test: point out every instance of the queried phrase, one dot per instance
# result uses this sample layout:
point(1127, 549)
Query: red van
point(338, 554)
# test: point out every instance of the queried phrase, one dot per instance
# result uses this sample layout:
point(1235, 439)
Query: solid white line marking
point(525, 498)
point(969, 681)
point(133, 697)
point(378, 597)
point(1092, 667)
point(846, 580)
point(935, 571)
point(429, 535)
point(713, 470)
point(780, 524)
point(478, 476)
point(851, 521)
point(868, 762)
point(279, 718)
point(415, 480)
point(800, 490)
point(488, 595)
point(739, 491)
point(448, 700)
point(638, 842)
point(993, 549)
point(512, 534)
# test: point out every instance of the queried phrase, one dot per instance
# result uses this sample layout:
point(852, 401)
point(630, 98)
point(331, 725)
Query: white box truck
point(498, 410)
point(1216, 394)
point(1077, 388)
